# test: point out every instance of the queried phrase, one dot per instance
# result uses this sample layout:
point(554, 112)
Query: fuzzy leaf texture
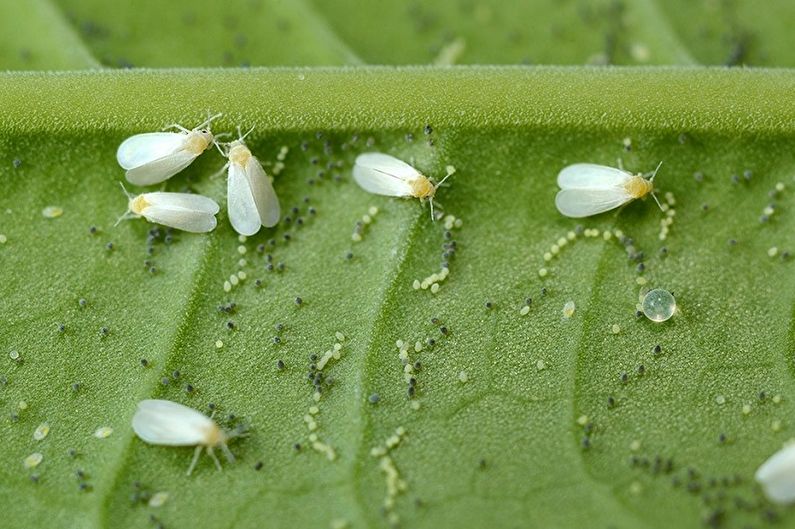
point(518, 419)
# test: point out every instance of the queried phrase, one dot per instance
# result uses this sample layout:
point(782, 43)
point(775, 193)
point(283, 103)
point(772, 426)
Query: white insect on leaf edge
point(184, 211)
point(383, 174)
point(153, 157)
point(589, 189)
point(251, 199)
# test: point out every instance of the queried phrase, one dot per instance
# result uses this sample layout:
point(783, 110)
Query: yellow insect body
point(422, 187)
point(638, 187)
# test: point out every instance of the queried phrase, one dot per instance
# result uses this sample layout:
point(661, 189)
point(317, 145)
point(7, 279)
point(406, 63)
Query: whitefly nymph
point(383, 174)
point(166, 423)
point(588, 189)
point(183, 211)
point(154, 157)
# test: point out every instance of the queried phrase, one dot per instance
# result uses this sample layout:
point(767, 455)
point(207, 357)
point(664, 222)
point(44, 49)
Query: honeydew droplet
point(542, 272)
point(776, 399)
point(3, 239)
point(463, 377)
point(14, 355)
point(634, 445)
point(568, 309)
point(772, 252)
point(658, 305)
point(103, 432)
point(540, 365)
point(775, 425)
point(525, 310)
point(227, 286)
point(720, 400)
point(435, 288)
point(33, 460)
point(219, 344)
point(242, 250)
point(615, 328)
point(52, 212)
point(746, 409)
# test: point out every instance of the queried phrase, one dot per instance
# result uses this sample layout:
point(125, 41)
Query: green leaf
point(500, 449)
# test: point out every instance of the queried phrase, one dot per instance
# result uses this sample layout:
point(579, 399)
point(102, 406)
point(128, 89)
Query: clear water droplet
point(659, 305)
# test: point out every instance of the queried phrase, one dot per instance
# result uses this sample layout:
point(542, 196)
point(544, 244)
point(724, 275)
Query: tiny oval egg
point(659, 305)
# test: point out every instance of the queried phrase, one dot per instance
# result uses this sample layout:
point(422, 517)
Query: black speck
point(189, 388)
point(17, 162)
point(165, 381)
point(280, 365)
point(299, 301)
point(374, 398)
point(258, 465)
point(109, 246)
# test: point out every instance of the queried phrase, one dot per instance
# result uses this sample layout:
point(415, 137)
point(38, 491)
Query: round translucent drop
point(659, 305)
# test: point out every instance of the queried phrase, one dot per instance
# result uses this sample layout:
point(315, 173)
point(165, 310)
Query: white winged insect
point(777, 476)
point(183, 211)
point(588, 189)
point(162, 422)
point(383, 174)
point(251, 200)
point(153, 157)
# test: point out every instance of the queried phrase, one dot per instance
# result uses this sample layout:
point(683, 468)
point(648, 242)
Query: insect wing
point(141, 149)
point(577, 203)
point(591, 176)
point(384, 175)
point(163, 422)
point(190, 201)
point(264, 195)
point(242, 208)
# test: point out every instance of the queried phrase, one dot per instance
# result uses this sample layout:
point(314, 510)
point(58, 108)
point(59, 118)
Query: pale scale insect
point(383, 174)
point(153, 157)
point(183, 211)
point(251, 199)
point(589, 189)
point(166, 423)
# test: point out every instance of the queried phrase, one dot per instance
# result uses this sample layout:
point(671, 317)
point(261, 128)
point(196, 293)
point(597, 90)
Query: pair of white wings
point(384, 175)
point(154, 157)
point(588, 189)
point(251, 200)
point(184, 211)
point(162, 422)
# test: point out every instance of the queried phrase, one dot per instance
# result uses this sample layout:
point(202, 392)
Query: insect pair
point(588, 189)
point(154, 157)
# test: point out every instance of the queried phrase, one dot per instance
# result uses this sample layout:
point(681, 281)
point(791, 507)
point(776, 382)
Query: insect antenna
point(126, 214)
point(653, 195)
point(209, 120)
